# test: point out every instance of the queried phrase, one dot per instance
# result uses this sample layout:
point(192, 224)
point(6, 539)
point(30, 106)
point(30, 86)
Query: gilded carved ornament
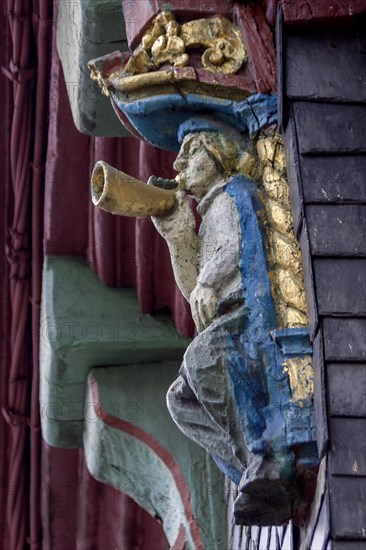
point(167, 42)
point(284, 253)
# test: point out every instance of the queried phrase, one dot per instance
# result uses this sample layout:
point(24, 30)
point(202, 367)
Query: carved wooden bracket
point(245, 388)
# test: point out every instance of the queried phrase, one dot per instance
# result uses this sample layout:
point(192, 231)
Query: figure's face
point(197, 168)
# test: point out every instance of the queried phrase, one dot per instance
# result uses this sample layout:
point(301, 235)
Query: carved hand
point(175, 226)
point(203, 302)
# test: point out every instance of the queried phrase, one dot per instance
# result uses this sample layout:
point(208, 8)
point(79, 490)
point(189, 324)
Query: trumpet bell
point(118, 193)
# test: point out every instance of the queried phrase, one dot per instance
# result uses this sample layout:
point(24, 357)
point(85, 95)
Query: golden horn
point(119, 193)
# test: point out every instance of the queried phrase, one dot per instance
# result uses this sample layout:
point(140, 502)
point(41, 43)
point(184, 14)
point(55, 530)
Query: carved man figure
point(245, 389)
point(221, 398)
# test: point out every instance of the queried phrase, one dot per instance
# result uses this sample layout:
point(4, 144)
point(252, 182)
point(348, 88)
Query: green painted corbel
point(131, 443)
point(86, 324)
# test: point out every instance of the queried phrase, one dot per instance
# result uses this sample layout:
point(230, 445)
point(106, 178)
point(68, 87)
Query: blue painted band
point(158, 118)
point(293, 341)
point(257, 351)
point(253, 262)
point(207, 123)
point(228, 469)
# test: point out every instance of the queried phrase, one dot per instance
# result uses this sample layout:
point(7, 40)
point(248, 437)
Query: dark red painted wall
point(122, 251)
point(49, 184)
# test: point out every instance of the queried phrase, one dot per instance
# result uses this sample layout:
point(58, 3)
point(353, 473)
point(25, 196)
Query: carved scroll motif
point(225, 52)
point(166, 42)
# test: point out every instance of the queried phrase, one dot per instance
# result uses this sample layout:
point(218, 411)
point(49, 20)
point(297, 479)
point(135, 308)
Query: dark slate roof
point(323, 106)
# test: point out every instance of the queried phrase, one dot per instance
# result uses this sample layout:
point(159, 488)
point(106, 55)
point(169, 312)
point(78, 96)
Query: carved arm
point(177, 229)
point(219, 256)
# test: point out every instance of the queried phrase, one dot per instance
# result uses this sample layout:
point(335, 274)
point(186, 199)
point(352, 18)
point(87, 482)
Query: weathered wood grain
point(258, 41)
point(302, 11)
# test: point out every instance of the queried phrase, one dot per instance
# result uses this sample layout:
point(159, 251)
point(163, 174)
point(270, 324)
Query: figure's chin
point(180, 178)
point(189, 189)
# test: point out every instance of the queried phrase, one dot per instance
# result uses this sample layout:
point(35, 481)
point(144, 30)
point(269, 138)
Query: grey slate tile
point(344, 339)
point(337, 230)
point(348, 507)
point(341, 286)
point(316, 59)
point(330, 128)
point(346, 389)
point(334, 179)
point(347, 453)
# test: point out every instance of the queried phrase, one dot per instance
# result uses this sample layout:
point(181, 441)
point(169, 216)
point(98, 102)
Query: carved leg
point(194, 421)
point(205, 369)
point(230, 398)
point(204, 403)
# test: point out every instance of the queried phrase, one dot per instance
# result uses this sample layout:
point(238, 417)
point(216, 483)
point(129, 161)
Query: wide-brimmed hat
point(163, 120)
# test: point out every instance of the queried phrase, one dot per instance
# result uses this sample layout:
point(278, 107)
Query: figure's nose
point(180, 163)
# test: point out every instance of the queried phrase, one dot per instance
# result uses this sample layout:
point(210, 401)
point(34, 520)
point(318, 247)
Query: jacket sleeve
point(220, 246)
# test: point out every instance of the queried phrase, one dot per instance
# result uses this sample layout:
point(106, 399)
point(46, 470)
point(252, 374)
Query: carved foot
point(264, 503)
point(265, 498)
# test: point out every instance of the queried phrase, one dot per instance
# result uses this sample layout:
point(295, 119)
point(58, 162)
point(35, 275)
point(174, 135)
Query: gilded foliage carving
point(168, 42)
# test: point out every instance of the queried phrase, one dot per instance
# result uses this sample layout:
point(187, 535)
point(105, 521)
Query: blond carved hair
point(230, 156)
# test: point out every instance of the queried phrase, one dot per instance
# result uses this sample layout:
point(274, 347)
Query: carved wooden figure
point(245, 388)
